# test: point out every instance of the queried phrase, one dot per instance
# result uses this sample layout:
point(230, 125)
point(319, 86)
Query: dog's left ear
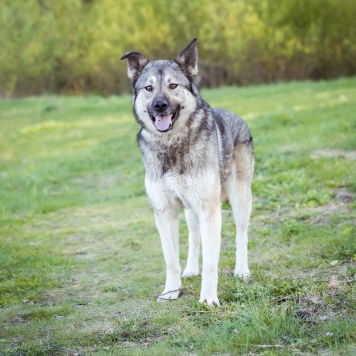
point(136, 61)
point(188, 59)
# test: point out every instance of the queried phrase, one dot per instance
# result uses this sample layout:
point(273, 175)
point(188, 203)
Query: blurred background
point(74, 46)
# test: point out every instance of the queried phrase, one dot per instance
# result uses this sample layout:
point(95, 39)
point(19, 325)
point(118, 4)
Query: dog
point(194, 158)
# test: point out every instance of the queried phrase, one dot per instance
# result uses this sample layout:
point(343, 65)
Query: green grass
point(81, 261)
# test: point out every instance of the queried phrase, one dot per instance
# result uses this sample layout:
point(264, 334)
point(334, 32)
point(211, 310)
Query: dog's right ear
point(136, 61)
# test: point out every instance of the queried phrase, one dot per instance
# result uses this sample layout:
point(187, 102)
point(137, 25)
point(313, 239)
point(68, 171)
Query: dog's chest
point(179, 159)
point(191, 189)
point(186, 177)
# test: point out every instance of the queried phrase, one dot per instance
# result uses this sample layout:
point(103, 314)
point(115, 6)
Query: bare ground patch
point(330, 153)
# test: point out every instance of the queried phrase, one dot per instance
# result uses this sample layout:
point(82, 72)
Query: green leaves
point(73, 46)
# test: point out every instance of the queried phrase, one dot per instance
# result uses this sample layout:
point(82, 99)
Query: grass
point(81, 261)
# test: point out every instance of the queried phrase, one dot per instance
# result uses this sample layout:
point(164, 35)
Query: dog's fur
point(194, 157)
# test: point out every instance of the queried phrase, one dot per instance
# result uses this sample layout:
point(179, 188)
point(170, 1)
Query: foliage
point(81, 262)
point(75, 45)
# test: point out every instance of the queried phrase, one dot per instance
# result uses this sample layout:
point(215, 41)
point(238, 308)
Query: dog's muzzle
point(163, 117)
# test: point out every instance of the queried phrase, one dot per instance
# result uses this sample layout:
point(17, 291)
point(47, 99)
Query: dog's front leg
point(192, 268)
point(210, 232)
point(168, 227)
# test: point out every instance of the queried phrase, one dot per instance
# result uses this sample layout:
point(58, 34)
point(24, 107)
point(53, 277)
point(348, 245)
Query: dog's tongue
point(162, 122)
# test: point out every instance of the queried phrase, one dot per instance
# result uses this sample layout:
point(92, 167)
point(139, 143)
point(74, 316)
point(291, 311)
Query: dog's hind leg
point(192, 268)
point(167, 223)
point(238, 188)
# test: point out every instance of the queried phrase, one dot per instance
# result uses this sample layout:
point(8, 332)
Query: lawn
point(81, 263)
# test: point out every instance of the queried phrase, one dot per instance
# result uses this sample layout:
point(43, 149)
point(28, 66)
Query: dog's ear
point(188, 59)
point(136, 61)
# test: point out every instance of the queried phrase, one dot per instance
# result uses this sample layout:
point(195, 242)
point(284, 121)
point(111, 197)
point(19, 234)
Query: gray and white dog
point(194, 157)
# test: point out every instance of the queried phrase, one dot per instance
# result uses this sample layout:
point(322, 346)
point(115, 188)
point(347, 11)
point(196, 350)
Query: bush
point(74, 46)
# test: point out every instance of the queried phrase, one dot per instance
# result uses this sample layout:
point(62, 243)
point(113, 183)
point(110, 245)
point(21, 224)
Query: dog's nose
point(160, 104)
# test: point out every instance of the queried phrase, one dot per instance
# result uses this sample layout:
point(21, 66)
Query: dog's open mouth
point(165, 122)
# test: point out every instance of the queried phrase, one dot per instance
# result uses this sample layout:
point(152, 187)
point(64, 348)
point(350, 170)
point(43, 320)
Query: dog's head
point(164, 93)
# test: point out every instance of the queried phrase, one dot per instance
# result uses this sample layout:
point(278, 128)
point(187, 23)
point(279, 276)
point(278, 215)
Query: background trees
point(74, 46)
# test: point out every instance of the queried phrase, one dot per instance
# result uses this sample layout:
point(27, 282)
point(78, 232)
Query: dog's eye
point(173, 86)
point(149, 88)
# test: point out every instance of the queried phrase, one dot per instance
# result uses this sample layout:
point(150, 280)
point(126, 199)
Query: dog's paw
point(209, 296)
point(190, 272)
point(213, 301)
point(170, 295)
point(242, 274)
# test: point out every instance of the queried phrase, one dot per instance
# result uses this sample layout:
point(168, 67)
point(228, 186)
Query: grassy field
point(81, 262)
